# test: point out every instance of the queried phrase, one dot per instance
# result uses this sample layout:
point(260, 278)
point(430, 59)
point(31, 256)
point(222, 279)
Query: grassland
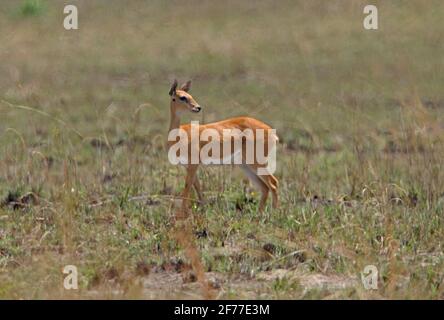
point(85, 179)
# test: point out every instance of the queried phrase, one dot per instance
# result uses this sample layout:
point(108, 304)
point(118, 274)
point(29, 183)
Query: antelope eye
point(183, 99)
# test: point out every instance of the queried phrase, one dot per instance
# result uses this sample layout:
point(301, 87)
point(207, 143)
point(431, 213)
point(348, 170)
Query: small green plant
point(285, 284)
point(32, 7)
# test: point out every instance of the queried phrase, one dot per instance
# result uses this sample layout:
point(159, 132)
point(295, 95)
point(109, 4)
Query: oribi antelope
point(182, 101)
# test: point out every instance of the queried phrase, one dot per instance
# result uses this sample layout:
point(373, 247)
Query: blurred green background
point(84, 116)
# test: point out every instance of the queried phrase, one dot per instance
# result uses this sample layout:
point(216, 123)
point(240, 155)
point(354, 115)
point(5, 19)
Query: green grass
point(32, 7)
point(85, 179)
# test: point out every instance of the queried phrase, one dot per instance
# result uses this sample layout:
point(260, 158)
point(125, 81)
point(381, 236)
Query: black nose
point(197, 108)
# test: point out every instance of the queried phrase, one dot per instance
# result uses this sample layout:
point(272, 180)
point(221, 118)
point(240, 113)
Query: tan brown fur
point(182, 101)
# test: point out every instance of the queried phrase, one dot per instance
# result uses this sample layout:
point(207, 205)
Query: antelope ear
point(173, 88)
point(186, 86)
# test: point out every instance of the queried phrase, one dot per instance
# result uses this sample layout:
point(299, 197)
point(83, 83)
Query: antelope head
point(181, 100)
